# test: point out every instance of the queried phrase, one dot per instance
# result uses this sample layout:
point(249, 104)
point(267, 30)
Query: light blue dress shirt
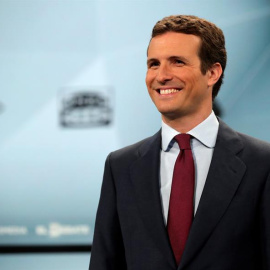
point(202, 146)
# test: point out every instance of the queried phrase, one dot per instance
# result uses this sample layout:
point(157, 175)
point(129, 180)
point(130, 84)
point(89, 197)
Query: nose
point(164, 74)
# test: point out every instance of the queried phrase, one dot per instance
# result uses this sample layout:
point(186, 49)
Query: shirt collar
point(205, 133)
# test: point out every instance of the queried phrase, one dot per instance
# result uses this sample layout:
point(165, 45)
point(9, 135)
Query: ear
point(214, 74)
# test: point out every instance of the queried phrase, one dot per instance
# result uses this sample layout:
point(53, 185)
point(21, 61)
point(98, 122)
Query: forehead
point(172, 43)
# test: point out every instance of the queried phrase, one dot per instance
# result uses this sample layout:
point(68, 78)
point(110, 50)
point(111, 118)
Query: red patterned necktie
point(181, 199)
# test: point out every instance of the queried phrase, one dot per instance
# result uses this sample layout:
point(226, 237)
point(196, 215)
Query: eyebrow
point(151, 60)
point(184, 59)
point(173, 57)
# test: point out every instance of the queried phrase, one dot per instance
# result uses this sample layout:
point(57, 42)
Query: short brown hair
point(212, 48)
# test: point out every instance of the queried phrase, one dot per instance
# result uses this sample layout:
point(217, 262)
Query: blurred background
point(72, 90)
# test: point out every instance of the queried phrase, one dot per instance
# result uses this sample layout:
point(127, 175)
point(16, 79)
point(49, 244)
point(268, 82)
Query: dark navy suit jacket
point(231, 228)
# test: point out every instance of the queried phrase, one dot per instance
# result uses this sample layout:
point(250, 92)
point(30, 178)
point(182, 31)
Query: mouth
point(168, 91)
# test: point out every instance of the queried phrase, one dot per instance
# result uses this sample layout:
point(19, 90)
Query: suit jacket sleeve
point(108, 249)
point(265, 225)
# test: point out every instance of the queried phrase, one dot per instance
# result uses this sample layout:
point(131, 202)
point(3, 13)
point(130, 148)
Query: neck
point(185, 123)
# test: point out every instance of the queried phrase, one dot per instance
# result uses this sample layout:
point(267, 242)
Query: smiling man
point(176, 84)
point(196, 195)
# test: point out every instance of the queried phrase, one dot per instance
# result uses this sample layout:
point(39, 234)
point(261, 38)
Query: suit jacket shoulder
point(249, 149)
point(132, 152)
point(258, 147)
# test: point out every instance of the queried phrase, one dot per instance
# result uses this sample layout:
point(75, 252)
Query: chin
point(171, 114)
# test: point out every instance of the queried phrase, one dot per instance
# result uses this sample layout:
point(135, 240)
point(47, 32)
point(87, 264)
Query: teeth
point(168, 91)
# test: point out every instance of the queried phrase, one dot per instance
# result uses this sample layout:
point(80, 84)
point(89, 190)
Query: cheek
point(149, 78)
point(192, 80)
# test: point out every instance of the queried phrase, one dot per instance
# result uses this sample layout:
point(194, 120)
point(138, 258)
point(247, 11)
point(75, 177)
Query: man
point(204, 205)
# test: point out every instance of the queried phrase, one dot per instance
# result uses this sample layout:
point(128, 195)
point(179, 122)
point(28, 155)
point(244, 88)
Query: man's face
point(174, 78)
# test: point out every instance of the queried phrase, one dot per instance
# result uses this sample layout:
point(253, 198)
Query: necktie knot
point(183, 141)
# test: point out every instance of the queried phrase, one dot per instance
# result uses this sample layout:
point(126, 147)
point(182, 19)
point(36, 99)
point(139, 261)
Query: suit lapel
point(145, 177)
point(224, 176)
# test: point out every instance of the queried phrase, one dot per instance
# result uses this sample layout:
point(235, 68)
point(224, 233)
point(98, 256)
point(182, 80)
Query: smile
point(168, 91)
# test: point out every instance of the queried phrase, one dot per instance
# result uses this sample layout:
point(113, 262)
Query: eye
point(179, 62)
point(153, 64)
